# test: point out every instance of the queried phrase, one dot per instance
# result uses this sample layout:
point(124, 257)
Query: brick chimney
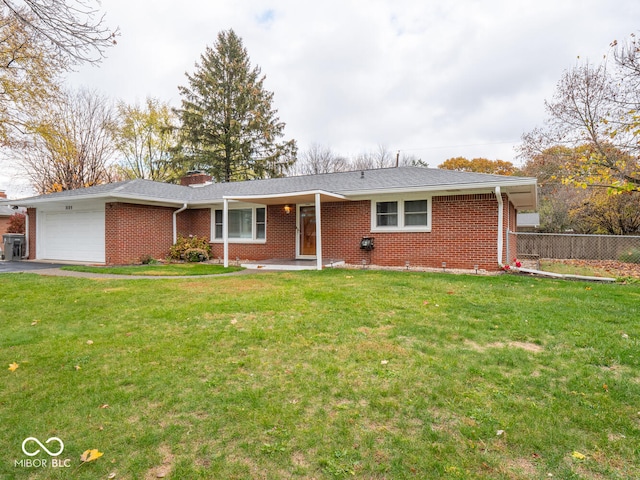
point(195, 177)
point(2, 194)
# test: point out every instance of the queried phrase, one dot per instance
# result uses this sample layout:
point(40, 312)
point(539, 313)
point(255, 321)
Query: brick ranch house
point(409, 214)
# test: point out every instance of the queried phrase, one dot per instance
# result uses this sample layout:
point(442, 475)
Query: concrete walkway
point(54, 270)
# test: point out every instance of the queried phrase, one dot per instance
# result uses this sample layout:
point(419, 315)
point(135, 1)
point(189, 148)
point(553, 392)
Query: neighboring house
point(528, 222)
point(423, 216)
point(5, 213)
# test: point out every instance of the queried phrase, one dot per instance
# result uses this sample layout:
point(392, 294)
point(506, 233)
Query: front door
point(307, 231)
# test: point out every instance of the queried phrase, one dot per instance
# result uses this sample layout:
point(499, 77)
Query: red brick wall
point(4, 224)
point(464, 234)
point(133, 231)
point(195, 222)
point(281, 239)
point(32, 214)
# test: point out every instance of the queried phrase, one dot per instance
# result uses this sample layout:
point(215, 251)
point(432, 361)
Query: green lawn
point(322, 375)
point(158, 270)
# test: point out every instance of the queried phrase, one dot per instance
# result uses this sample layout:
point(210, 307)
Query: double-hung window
point(245, 224)
point(401, 214)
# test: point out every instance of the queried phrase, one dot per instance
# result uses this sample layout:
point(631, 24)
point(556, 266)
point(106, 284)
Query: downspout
point(175, 222)
point(500, 225)
point(225, 232)
point(26, 236)
point(507, 239)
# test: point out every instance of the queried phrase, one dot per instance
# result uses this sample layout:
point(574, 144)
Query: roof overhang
point(522, 191)
point(106, 197)
point(291, 197)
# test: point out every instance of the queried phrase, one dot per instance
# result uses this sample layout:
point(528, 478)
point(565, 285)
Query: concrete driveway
point(25, 266)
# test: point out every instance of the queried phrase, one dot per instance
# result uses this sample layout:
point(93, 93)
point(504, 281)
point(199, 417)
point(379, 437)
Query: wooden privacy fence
point(583, 247)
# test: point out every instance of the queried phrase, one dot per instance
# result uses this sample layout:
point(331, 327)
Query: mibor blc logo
point(34, 453)
point(53, 447)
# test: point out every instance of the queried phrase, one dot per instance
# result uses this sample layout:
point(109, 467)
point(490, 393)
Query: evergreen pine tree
point(229, 128)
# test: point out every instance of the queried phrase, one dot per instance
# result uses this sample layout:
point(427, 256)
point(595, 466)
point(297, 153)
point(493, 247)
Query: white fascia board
point(446, 189)
point(99, 196)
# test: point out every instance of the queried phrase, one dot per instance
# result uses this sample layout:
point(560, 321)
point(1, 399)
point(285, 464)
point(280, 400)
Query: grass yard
point(158, 270)
point(321, 375)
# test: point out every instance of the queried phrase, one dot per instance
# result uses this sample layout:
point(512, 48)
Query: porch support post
point(225, 231)
point(318, 234)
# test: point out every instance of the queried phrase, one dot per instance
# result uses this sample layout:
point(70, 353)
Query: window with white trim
point(415, 213)
point(386, 214)
point(245, 224)
point(402, 214)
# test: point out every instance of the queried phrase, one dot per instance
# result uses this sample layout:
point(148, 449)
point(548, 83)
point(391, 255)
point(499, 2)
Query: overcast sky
point(432, 78)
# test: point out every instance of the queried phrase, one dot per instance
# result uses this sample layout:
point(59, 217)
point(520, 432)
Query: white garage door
point(75, 236)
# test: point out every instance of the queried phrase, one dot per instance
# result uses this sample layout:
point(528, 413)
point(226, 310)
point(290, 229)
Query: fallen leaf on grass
point(90, 455)
point(89, 342)
point(13, 367)
point(104, 405)
point(578, 456)
point(112, 475)
point(34, 323)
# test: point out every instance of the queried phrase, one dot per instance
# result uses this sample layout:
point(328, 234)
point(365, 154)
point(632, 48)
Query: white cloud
point(435, 79)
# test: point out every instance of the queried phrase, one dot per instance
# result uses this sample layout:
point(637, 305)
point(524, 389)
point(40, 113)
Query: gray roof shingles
point(338, 183)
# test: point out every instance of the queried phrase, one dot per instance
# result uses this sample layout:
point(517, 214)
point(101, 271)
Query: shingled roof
point(347, 184)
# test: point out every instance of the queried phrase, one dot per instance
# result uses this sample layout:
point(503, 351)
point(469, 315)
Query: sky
point(433, 79)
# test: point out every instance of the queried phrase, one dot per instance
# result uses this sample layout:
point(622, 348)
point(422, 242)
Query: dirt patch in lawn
point(163, 470)
point(528, 346)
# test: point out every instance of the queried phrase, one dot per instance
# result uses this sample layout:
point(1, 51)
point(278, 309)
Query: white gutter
point(175, 222)
point(500, 225)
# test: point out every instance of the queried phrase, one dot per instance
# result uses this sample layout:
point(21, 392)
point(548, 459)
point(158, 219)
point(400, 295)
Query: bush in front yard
point(196, 255)
point(630, 256)
point(187, 248)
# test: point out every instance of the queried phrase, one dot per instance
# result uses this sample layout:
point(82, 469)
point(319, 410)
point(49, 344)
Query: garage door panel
point(74, 236)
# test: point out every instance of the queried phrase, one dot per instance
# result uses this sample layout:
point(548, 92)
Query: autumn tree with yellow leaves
point(595, 112)
point(40, 40)
point(479, 165)
point(70, 144)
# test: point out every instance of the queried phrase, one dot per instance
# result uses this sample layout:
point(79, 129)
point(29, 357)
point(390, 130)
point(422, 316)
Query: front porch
point(290, 264)
point(307, 234)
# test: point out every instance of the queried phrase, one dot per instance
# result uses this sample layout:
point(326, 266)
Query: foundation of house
point(289, 264)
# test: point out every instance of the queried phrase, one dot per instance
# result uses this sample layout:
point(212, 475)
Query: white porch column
point(225, 231)
point(318, 234)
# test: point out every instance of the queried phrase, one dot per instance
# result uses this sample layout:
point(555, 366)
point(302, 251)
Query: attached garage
point(71, 235)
